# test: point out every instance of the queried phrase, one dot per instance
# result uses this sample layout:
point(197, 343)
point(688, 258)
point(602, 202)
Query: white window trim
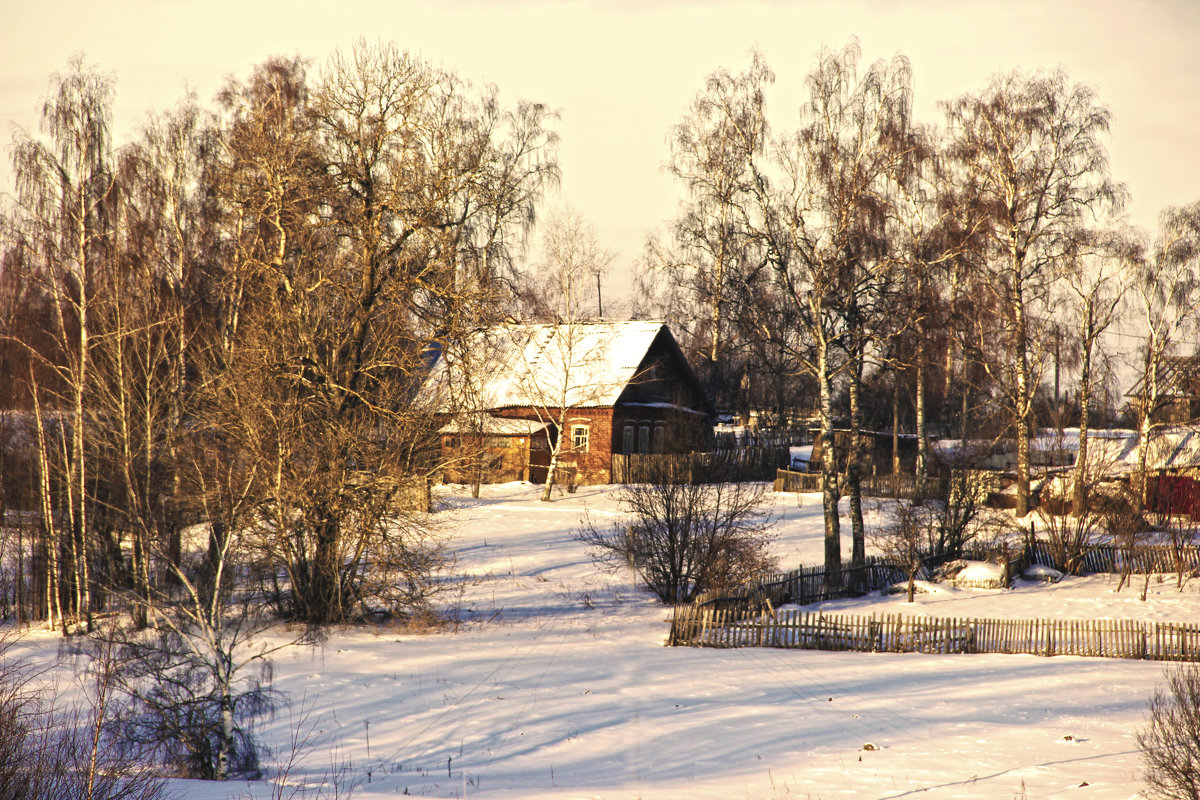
point(587, 437)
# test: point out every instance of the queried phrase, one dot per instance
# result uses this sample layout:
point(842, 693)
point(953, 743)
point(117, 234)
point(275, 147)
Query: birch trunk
point(919, 409)
point(1022, 400)
point(1079, 499)
point(858, 537)
point(829, 474)
point(53, 602)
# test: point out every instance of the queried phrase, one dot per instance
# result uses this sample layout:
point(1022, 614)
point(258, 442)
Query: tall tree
point(370, 215)
point(932, 229)
point(1032, 152)
point(1166, 298)
point(65, 188)
point(697, 276)
point(141, 362)
point(823, 233)
point(1094, 294)
point(559, 292)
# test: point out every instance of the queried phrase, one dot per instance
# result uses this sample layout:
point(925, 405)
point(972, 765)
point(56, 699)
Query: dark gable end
point(662, 375)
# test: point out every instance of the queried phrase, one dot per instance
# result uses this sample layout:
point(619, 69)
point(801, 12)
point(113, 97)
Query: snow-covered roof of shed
point(1117, 451)
point(1114, 452)
point(576, 365)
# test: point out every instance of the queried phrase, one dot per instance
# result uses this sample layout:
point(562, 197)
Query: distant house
point(1179, 400)
point(1114, 457)
point(626, 388)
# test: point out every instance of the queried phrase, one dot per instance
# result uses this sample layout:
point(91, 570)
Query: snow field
point(555, 684)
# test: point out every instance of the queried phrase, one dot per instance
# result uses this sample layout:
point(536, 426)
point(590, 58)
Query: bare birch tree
point(696, 277)
point(1094, 292)
point(1032, 150)
point(821, 228)
point(65, 189)
point(1166, 296)
point(561, 368)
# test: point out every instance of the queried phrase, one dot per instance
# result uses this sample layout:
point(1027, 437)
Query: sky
point(621, 73)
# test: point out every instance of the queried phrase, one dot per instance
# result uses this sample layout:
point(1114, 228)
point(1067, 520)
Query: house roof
point(1114, 452)
point(571, 365)
point(496, 426)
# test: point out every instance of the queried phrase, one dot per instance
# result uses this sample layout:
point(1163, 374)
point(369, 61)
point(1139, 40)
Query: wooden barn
point(879, 450)
point(612, 387)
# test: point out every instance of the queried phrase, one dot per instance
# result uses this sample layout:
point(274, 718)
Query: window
point(579, 437)
point(627, 439)
point(644, 439)
point(660, 435)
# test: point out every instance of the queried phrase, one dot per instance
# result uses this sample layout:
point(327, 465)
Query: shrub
point(685, 538)
point(1170, 741)
point(48, 754)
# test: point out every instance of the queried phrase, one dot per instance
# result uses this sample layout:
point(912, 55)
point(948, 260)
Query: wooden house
point(1178, 402)
point(605, 388)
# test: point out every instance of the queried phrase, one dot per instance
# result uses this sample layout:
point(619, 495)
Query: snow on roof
point(1117, 451)
point(572, 365)
point(496, 426)
point(1114, 452)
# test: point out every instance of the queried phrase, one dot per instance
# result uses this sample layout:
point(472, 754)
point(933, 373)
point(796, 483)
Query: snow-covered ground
point(555, 683)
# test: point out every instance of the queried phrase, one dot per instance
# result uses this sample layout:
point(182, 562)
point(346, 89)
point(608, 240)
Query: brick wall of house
point(593, 465)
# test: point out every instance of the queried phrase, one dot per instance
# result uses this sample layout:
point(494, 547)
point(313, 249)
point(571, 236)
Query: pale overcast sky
point(621, 73)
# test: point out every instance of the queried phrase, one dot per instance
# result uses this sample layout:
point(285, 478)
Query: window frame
point(581, 444)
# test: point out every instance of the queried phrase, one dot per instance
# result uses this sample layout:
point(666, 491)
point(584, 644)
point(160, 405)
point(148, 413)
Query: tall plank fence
point(892, 633)
point(753, 463)
point(895, 485)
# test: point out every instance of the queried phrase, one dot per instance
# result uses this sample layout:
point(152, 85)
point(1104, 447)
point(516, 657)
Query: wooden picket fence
point(900, 485)
point(815, 584)
point(895, 485)
point(698, 626)
point(1110, 558)
point(810, 585)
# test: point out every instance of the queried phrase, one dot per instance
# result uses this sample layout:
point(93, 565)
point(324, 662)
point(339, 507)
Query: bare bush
point(180, 710)
point(960, 514)
point(901, 540)
point(685, 538)
point(1071, 537)
point(1125, 526)
point(49, 754)
point(1170, 742)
